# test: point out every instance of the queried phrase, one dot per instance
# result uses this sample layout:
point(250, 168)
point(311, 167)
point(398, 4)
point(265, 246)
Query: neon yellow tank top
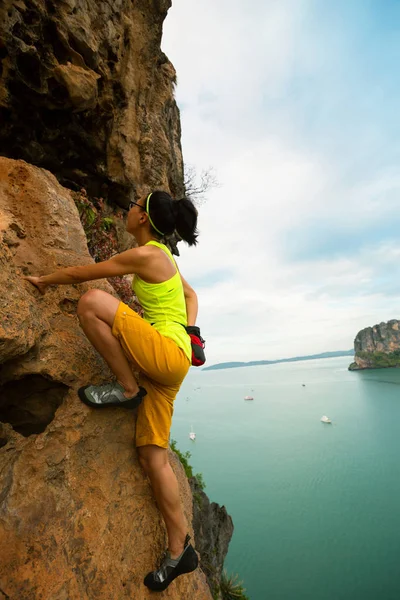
point(164, 305)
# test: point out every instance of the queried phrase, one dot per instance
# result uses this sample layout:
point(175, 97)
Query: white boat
point(248, 398)
point(192, 435)
point(325, 419)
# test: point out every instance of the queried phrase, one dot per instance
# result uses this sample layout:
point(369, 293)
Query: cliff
point(377, 347)
point(87, 93)
point(78, 518)
point(213, 529)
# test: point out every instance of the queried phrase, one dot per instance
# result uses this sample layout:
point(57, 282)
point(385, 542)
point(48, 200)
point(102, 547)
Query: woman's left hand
point(37, 283)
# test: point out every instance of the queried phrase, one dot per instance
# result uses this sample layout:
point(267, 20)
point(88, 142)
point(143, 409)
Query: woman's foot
point(171, 568)
point(111, 394)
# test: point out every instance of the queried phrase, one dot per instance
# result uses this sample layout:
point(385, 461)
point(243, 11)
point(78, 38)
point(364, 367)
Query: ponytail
point(167, 215)
point(186, 221)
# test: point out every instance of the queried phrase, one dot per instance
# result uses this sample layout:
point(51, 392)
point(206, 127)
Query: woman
point(157, 345)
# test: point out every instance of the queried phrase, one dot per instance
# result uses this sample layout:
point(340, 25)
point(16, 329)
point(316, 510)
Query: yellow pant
point(162, 366)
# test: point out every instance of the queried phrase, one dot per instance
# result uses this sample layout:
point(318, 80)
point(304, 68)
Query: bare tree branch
point(196, 186)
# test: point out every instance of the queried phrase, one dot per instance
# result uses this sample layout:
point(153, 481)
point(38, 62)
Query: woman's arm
point(192, 306)
point(130, 261)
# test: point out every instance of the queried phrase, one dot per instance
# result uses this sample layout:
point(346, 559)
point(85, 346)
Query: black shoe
point(171, 568)
point(111, 394)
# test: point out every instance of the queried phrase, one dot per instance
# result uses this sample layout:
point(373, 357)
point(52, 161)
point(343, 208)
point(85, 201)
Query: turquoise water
point(316, 507)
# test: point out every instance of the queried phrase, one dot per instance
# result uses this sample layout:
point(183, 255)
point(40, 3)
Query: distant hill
point(256, 363)
point(377, 347)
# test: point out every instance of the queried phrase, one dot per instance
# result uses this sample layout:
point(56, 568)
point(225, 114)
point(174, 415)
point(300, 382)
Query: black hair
point(170, 215)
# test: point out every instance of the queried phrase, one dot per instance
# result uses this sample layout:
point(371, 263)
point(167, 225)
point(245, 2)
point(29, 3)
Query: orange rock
point(89, 94)
point(78, 517)
point(80, 83)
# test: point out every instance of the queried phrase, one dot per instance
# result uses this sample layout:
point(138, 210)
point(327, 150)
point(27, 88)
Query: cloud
point(211, 278)
point(299, 246)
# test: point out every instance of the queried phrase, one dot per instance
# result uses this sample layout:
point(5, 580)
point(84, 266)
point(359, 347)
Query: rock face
point(77, 515)
point(213, 529)
point(377, 347)
point(87, 93)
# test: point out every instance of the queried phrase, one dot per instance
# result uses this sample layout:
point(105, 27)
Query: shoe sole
point(131, 403)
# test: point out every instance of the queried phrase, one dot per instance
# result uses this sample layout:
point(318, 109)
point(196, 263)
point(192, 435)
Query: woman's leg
point(182, 557)
point(96, 312)
point(154, 461)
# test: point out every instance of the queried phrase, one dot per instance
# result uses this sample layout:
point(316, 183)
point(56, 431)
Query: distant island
point(257, 363)
point(377, 347)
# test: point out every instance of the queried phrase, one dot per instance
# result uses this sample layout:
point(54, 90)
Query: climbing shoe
point(111, 394)
point(171, 568)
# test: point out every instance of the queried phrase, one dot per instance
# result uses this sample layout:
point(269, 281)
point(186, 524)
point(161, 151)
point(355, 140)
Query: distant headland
point(377, 347)
point(257, 363)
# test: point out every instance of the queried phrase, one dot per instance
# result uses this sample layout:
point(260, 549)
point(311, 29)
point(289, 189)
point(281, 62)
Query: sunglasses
point(131, 204)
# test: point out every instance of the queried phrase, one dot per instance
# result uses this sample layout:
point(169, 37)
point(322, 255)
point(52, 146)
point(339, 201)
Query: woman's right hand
point(37, 283)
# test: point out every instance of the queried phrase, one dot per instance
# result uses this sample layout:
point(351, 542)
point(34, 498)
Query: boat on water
point(192, 434)
point(248, 398)
point(326, 419)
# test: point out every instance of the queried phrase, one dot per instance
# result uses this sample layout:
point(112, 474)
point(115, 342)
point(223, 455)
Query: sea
point(315, 506)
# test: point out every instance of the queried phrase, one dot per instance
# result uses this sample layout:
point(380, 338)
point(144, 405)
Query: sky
point(294, 104)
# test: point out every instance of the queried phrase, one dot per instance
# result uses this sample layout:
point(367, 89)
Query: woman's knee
point(88, 301)
point(152, 458)
point(98, 304)
point(143, 462)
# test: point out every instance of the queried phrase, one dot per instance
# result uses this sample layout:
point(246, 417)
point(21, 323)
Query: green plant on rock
point(231, 588)
point(380, 359)
point(197, 499)
point(200, 480)
point(90, 216)
point(184, 457)
point(107, 223)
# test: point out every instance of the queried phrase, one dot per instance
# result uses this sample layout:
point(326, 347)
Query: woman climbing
point(158, 346)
